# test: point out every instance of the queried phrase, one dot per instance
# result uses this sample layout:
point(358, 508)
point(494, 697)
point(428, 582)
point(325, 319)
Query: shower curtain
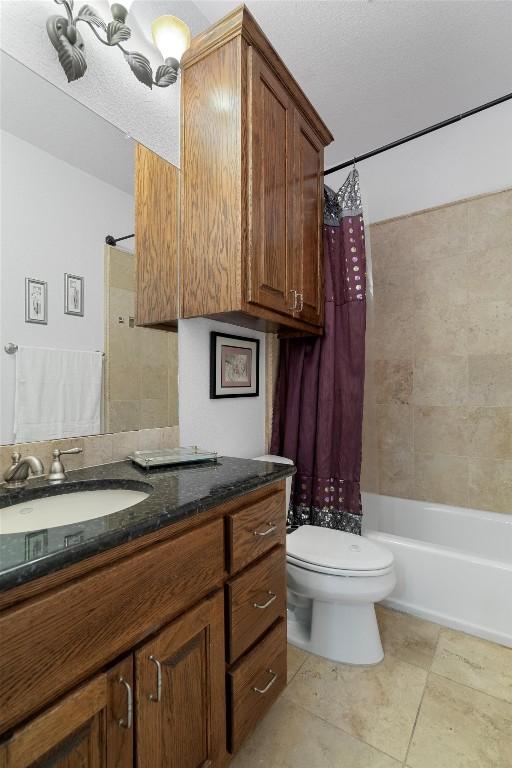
point(318, 411)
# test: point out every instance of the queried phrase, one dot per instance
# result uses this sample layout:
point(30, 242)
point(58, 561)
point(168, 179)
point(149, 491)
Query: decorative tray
point(167, 456)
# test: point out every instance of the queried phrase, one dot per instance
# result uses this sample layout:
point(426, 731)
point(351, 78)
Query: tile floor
point(440, 699)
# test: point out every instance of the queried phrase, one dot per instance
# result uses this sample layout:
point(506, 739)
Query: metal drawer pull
point(268, 685)
point(127, 722)
point(269, 530)
point(269, 601)
point(158, 666)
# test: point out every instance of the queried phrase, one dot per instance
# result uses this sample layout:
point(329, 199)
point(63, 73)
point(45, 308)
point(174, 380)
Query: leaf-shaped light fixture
point(171, 35)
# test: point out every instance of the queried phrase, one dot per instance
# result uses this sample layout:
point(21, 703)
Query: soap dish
point(168, 456)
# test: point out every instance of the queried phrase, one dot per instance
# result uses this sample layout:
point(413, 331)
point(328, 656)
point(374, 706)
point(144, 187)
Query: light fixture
point(172, 38)
point(170, 34)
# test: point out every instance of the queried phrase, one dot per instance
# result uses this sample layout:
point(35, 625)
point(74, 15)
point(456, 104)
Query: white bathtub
point(453, 565)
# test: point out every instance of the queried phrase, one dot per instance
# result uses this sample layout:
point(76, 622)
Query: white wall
point(231, 426)
point(54, 220)
point(472, 157)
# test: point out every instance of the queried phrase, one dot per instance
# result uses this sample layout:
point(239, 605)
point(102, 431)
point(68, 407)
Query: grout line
point(471, 688)
point(416, 720)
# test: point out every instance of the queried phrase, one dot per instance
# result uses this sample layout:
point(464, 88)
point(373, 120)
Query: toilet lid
point(336, 549)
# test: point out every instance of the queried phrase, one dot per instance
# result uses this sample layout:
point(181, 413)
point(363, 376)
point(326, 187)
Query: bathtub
point(453, 565)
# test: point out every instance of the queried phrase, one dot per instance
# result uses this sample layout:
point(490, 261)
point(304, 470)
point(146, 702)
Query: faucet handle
point(57, 452)
point(15, 457)
point(57, 472)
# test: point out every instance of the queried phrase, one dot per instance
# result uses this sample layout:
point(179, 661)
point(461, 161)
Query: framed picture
point(234, 366)
point(73, 295)
point(36, 544)
point(36, 301)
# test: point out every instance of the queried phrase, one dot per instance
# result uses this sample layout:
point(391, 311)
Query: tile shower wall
point(141, 364)
point(440, 356)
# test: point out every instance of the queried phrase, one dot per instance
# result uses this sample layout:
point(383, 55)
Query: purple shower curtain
point(318, 411)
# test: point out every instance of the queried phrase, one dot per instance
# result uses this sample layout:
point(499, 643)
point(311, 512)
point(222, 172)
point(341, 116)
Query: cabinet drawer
point(256, 599)
point(255, 683)
point(255, 529)
point(53, 642)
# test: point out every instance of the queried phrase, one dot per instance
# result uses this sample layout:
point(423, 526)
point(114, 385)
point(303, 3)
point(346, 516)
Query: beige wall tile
point(154, 383)
point(441, 280)
point(124, 382)
point(170, 437)
point(438, 232)
point(490, 327)
point(475, 662)
point(391, 247)
point(153, 413)
point(396, 474)
point(461, 728)
point(152, 346)
point(97, 450)
point(441, 427)
point(122, 269)
point(440, 380)
point(441, 478)
point(393, 289)
point(375, 704)
point(440, 329)
point(124, 443)
point(124, 415)
point(149, 439)
point(393, 381)
point(489, 432)
point(394, 334)
point(490, 220)
point(490, 484)
point(490, 380)
point(488, 276)
point(394, 427)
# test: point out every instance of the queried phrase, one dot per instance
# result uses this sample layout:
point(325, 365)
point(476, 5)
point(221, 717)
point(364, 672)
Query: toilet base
point(348, 634)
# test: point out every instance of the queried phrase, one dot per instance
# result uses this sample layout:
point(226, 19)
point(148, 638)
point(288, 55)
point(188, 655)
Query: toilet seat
point(337, 553)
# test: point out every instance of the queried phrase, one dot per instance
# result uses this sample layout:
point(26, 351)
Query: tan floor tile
point(461, 728)
point(408, 638)
point(375, 704)
point(475, 662)
point(290, 737)
point(296, 658)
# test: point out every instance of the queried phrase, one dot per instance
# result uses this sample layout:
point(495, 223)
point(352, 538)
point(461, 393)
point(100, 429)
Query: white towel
point(58, 393)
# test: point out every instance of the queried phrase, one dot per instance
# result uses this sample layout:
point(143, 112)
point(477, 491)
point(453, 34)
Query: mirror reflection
point(72, 360)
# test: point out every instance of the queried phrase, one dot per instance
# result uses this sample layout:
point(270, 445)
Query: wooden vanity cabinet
point(164, 651)
point(251, 184)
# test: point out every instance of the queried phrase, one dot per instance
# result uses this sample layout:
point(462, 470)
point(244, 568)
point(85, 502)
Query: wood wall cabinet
point(251, 184)
point(125, 663)
point(156, 240)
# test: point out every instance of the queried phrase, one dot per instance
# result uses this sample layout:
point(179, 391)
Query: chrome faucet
point(20, 469)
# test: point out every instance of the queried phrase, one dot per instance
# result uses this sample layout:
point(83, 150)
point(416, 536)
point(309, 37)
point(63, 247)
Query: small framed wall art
point(234, 366)
point(73, 295)
point(36, 301)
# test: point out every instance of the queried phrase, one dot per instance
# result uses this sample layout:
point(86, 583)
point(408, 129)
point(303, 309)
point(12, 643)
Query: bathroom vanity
point(158, 636)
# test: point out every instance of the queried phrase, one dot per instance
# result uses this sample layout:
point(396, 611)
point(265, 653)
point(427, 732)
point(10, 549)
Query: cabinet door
point(269, 202)
point(89, 728)
point(307, 250)
point(181, 692)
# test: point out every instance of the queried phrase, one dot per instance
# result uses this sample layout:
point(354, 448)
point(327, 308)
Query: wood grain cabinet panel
point(102, 615)
point(255, 529)
point(156, 239)
point(255, 600)
point(89, 728)
point(250, 247)
point(181, 692)
point(255, 683)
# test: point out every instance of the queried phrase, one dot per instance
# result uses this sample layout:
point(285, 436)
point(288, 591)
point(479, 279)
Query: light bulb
point(171, 36)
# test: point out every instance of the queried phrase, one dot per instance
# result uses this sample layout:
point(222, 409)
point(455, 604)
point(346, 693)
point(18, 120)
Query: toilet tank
point(280, 460)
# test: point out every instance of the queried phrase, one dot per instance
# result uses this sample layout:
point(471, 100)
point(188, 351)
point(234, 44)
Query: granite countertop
point(175, 493)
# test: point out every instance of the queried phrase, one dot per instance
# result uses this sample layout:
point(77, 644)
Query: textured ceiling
point(377, 71)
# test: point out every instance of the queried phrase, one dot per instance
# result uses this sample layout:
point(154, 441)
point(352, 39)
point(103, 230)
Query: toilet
point(334, 579)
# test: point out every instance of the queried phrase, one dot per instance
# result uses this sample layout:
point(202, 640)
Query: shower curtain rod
point(417, 134)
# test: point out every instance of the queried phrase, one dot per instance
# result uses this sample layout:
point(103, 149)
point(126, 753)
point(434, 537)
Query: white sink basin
point(66, 508)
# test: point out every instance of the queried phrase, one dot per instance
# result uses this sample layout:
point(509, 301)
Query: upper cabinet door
point(307, 250)
point(270, 132)
point(181, 692)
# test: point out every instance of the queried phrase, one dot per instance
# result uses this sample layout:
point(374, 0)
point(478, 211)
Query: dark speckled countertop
point(175, 493)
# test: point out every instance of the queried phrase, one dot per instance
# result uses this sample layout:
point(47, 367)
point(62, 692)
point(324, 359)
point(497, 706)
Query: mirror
point(76, 363)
